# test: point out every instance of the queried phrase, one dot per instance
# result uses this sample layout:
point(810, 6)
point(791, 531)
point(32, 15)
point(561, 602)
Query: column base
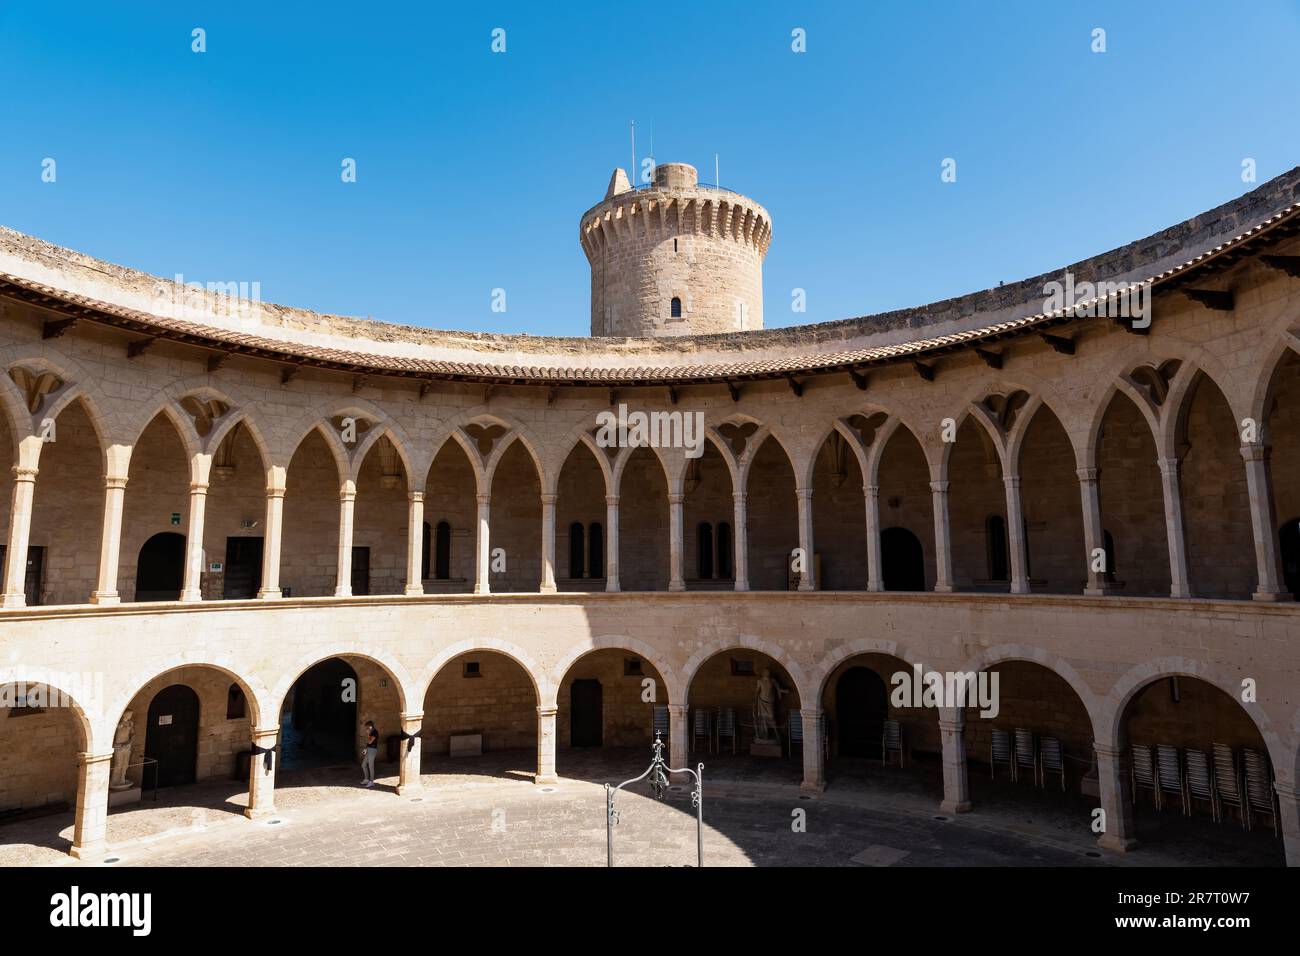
point(1262, 595)
point(91, 852)
point(742, 585)
point(259, 813)
point(271, 594)
point(677, 585)
point(955, 806)
point(944, 589)
point(403, 789)
point(1102, 590)
point(1173, 593)
point(481, 589)
point(545, 778)
point(813, 786)
point(806, 587)
point(191, 596)
point(611, 587)
point(1118, 844)
point(343, 592)
point(105, 598)
point(15, 600)
point(417, 591)
point(548, 589)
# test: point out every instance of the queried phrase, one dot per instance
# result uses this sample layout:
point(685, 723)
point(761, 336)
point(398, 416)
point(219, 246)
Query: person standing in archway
point(369, 753)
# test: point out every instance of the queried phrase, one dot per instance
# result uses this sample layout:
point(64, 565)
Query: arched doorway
point(160, 569)
point(609, 705)
point(172, 735)
point(320, 722)
point(861, 704)
point(902, 560)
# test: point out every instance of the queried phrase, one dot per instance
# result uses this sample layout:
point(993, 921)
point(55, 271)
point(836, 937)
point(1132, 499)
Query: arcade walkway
point(488, 812)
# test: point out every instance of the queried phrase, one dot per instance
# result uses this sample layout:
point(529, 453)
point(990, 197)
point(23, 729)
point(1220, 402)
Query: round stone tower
point(675, 257)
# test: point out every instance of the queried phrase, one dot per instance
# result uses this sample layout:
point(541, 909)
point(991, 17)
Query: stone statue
point(122, 740)
point(767, 694)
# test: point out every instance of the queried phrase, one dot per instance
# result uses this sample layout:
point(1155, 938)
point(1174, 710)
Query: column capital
point(611, 501)
point(348, 492)
point(198, 487)
point(676, 498)
point(939, 487)
point(952, 726)
point(813, 713)
point(1088, 474)
point(871, 491)
point(274, 492)
point(1254, 452)
point(1287, 791)
point(549, 499)
point(547, 711)
point(24, 472)
point(115, 481)
point(1011, 481)
point(739, 496)
point(415, 497)
point(1169, 466)
point(1107, 750)
point(262, 733)
point(803, 494)
point(484, 499)
point(677, 709)
point(85, 758)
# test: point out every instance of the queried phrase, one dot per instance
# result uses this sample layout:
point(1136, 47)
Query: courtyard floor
point(487, 811)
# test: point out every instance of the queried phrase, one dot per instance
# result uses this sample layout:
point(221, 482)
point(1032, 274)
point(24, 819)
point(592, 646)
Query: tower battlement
point(674, 257)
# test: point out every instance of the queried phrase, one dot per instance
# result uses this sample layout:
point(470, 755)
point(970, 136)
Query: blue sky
point(473, 167)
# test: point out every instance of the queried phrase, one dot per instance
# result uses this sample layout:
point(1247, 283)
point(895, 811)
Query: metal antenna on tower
point(632, 171)
point(717, 177)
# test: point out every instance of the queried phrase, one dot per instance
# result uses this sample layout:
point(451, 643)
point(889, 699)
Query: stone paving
point(487, 811)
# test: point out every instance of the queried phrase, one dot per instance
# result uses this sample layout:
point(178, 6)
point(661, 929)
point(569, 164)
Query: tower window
point(676, 308)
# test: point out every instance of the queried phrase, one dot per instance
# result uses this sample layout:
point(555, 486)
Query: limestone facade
point(954, 503)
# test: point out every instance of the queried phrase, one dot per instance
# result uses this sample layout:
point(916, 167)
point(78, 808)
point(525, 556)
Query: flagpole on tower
point(632, 171)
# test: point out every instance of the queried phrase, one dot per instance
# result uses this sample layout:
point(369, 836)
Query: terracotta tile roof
point(613, 372)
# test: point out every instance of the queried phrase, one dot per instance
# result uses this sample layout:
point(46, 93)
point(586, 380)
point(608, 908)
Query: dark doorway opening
point(861, 704)
point(34, 575)
point(360, 570)
point(1288, 539)
point(160, 568)
point(172, 735)
point(243, 575)
point(902, 561)
point(322, 711)
point(586, 717)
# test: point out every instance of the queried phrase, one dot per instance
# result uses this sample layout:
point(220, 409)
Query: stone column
point(20, 527)
point(1016, 543)
point(347, 508)
point(611, 543)
point(1116, 801)
point(546, 745)
point(740, 540)
point(678, 741)
point(261, 782)
point(114, 500)
point(548, 544)
point(875, 571)
point(942, 537)
point(814, 759)
point(1263, 519)
point(482, 552)
point(807, 580)
point(408, 761)
point(270, 589)
point(675, 580)
point(1289, 808)
point(1094, 538)
point(90, 831)
point(1178, 580)
point(192, 590)
point(956, 787)
point(414, 543)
